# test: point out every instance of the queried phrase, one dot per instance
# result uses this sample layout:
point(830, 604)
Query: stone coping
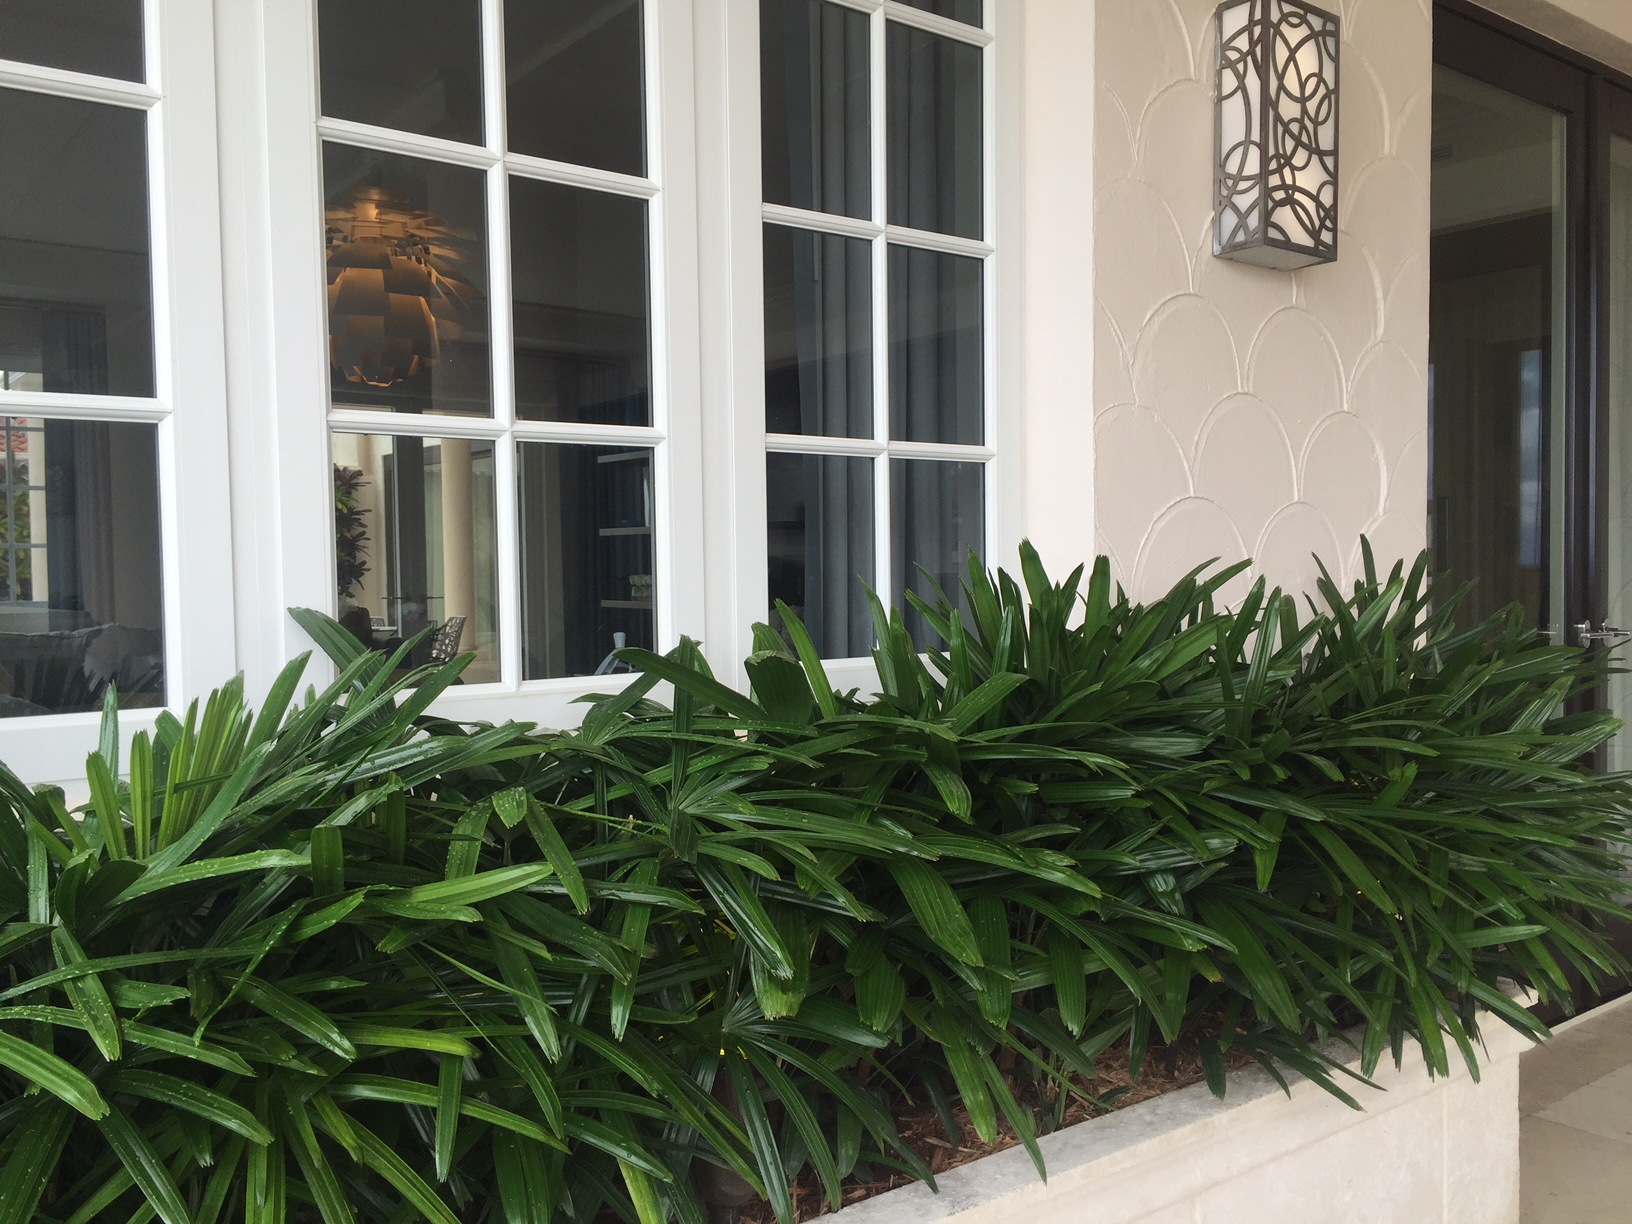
point(1188, 1137)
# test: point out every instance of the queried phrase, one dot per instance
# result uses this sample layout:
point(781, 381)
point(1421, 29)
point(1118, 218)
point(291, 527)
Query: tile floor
point(1575, 1137)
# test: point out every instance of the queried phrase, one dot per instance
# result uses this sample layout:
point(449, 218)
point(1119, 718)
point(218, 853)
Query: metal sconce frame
point(1275, 133)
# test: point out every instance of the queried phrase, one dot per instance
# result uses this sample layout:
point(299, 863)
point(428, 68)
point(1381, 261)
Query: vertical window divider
point(506, 498)
point(660, 376)
point(162, 291)
point(991, 477)
point(883, 560)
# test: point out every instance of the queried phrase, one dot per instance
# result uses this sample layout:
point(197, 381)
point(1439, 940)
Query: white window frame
point(294, 421)
point(744, 439)
point(189, 378)
point(707, 320)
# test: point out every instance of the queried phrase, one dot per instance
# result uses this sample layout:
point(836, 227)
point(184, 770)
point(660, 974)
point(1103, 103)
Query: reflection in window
point(818, 333)
point(406, 247)
point(586, 557)
point(100, 37)
point(815, 106)
point(578, 276)
point(819, 511)
point(412, 65)
point(935, 132)
point(966, 11)
point(937, 350)
point(74, 250)
point(415, 548)
point(81, 599)
point(937, 518)
point(574, 74)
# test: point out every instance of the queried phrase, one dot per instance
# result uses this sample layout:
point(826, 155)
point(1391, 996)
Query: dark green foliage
point(350, 531)
point(348, 961)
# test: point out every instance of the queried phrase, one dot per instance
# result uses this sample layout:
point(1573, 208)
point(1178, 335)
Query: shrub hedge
point(345, 960)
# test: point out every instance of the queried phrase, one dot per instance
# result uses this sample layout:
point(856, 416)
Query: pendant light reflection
point(396, 292)
point(1276, 133)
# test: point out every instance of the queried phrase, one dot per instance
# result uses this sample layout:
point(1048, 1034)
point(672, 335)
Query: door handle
point(1586, 635)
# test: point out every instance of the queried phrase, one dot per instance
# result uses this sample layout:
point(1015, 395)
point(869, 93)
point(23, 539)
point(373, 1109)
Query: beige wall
point(1239, 411)
point(1057, 265)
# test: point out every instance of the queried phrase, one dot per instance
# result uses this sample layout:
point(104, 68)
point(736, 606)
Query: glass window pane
point(1618, 420)
point(412, 65)
point(415, 546)
point(407, 260)
point(81, 592)
point(1498, 351)
point(578, 276)
point(819, 515)
point(101, 37)
point(937, 355)
point(966, 11)
point(76, 313)
point(934, 132)
point(815, 106)
point(937, 518)
point(586, 557)
point(818, 333)
point(576, 89)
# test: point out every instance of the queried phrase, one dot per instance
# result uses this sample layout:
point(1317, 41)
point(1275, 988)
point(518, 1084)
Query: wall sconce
point(1276, 134)
point(395, 289)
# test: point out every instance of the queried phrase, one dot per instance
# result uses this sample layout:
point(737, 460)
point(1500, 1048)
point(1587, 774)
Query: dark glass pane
point(1497, 357)
point(76, 313)
point(415, 546)
point(576, 89)
point(818, 333)
point(578, 276)
point(586, 557)
point(966, 11)
point(101, 37)
point(815, 106)
point(937, 518)
point(407, 257)
point(934, 134)
point(937, 360)
point(819, 519)
point(81, 591)
point(413, 65)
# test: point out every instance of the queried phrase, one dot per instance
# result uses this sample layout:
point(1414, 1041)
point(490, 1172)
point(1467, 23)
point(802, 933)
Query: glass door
point(1499, 368)
point(1530, 422)
point(1613, 591)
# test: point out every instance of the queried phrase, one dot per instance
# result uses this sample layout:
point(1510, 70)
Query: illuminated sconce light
point(1276, 134)
point(395, 289)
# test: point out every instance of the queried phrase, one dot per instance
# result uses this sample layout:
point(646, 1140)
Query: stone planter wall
point(1421, 1152)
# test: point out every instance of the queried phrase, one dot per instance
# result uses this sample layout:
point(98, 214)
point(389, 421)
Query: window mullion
point(883, 560)
point(501, 323)
point(989, 289)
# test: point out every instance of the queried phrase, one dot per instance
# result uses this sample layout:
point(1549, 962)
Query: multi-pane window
point(496, 437)
point(82, 396)
point(877, 289)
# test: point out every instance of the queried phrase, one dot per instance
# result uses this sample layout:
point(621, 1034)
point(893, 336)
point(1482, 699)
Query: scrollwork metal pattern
point(1276, 135)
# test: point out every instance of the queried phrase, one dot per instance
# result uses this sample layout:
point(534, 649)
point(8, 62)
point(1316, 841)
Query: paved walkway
point(1575, 1138)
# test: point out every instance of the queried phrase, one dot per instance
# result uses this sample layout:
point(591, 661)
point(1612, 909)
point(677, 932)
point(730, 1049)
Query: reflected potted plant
point(350, 548)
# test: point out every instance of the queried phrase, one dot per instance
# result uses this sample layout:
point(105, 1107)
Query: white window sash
point(283, 417)
point(188, 404)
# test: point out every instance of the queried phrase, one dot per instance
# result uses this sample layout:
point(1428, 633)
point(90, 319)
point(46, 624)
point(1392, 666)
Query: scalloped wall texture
point(1242, 412)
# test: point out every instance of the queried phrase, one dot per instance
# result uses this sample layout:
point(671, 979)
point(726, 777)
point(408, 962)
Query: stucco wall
point(1239, 411)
